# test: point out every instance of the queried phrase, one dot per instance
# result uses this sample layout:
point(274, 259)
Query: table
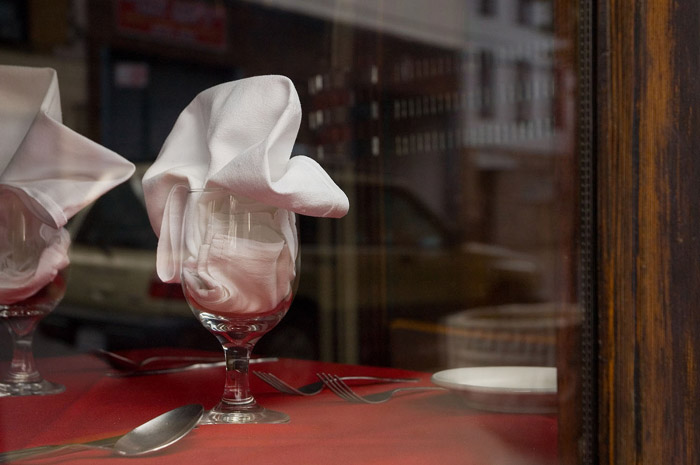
point(431, 427)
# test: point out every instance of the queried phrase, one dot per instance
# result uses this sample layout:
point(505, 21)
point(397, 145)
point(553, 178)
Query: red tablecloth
point(417, 428)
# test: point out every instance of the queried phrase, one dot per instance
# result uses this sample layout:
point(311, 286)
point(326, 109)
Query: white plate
point(503, 389)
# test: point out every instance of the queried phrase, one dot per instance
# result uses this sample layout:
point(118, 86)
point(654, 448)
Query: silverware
point(120, 362)
point(316, 387)
point(151, 436)
point(342, 390)
point(193, 366)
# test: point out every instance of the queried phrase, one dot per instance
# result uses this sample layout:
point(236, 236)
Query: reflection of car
point(428, 269)
point(387, 260)
point(113, 258)
point(393, 260)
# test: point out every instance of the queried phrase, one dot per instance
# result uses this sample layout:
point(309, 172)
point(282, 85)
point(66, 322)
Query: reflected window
point(488, 7)
point(523, 91)
point(487, 85)
point(525, 12)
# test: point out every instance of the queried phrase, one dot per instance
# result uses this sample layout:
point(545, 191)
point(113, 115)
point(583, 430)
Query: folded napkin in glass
point(48, 172)
point(238, 137)
point(31, 252)
point(250, 272)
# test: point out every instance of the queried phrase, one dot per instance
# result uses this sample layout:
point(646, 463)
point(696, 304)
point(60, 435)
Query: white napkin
point(237, 136)
point(229, 273)
point(55, 169)
point(51, 168)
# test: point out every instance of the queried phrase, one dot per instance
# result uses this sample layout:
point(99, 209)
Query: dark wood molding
point(649, 223)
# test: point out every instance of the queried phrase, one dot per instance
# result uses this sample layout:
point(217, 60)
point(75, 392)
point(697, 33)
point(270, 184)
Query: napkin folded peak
point(54, 169)
point(237, 136)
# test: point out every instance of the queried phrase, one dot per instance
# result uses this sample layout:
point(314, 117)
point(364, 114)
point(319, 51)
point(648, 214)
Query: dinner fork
point(342, 390)
point(314, 388)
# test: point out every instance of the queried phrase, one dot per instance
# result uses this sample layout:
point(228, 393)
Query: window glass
point(450, 126)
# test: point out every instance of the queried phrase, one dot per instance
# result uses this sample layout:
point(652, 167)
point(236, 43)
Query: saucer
point(514, 389)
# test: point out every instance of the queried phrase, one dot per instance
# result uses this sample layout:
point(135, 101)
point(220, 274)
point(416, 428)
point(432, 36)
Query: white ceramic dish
point(503, 389)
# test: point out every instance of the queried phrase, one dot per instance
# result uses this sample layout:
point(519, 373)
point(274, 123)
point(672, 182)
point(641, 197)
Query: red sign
point(191, 22)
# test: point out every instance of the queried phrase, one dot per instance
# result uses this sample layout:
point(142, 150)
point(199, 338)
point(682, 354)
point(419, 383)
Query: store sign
point(191, 22)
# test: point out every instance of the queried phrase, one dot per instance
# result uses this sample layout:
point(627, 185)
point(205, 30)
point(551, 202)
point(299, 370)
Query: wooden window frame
point(645, 139)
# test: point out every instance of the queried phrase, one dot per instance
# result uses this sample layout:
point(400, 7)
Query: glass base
point(38, 388)
point(224, 414)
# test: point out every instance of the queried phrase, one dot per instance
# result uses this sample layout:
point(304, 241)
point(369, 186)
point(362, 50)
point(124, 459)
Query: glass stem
point(237, 388)
point(22, 367)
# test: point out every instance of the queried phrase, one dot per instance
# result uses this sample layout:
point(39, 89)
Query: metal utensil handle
point(194, 366)
point(160, 371)
point(53, 449)
point(380, 379)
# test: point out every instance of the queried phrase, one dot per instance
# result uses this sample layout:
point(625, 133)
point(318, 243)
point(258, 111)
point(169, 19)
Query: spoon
point(153, 435)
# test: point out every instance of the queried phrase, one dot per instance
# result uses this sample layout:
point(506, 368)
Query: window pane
point(450, 125)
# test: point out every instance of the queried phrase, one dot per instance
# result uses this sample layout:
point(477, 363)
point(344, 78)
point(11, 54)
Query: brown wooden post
point(648, 160)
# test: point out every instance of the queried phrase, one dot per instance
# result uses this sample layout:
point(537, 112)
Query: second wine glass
point(33, 271)
point(240, 261)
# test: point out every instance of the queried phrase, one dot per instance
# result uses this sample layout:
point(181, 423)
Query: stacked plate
point(506, 335)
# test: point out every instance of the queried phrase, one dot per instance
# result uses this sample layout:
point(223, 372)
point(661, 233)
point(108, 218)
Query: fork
point(314, 388)
point(342, 390)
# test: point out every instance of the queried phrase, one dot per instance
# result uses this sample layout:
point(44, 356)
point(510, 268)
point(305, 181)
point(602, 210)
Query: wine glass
point(33, 261)
point(240, 263)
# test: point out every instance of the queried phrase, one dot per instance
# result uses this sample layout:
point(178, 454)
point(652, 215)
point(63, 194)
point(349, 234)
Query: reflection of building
point(378, 118)
point(477, 127)
point(476, 121)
